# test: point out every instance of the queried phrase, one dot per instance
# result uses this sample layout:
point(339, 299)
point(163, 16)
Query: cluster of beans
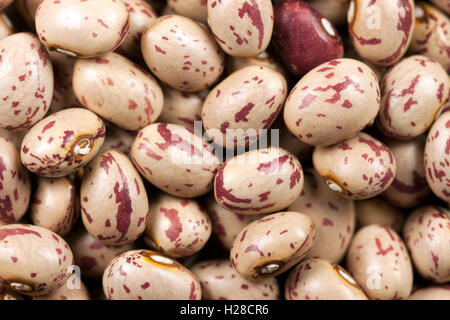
point(109, 191)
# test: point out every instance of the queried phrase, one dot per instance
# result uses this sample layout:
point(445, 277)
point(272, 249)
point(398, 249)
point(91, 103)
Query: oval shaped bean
point(91, 255)
point(182, 53)
point(430, 36)
point(441, 292)
point(141, 16)
point(427, 235)
point(381, 31)
point(358, 168)
point(226, 224)
point(15, 187)
point(118, 90)
point(316, 279)
point(269, 246)
point(122, 215)
point(303, 38)
point(182, 108)
point(378, 211)
point(194, 9)
point(33, 260)
point(220, 281)
point(437, 157)
point(241, 28)
point(72, 289)
point(249, 99)
point(27, 81)
point(62, 143)
point(332, 215)
point(379, 262)
point(259, 181)
point(333, 10)
point(175, 160)
point(118, 139)
point(412, 92)
point(55, 204)
point(176, 227)
point(410, 186)
point(147, 275)
point(6, 28)
point(333, 102)
point(82, 29)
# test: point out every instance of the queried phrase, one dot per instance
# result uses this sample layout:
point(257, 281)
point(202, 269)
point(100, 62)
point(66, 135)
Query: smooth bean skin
point(250, 99)
point(412, 92)
point(437, 157)
point(146, 275)
point(72, 289)
point(27, 81)
point(358, 168)
point(6, 27)
point(332, 215)
point(220, 281)
point(303, 38)
point(378, 211)
point(381, 32)
point(173, 159)
point(176, 227)
point(316, 279)
point(333, 10)
point(265, 59)
point(194, 9)
point(410, 186)
point(431, 31)
point(182, 53)
point(63, 142)
point(33, 260)
point(118, 139)
point(55, 204)
point(82, 29)
point(444, 5)
point(259, 181)
point(121, 216)
point(427, 235)
point(118, 90)
point(441, 292)
point(378, 260)
point(15, 187)
point(332, 102)
point(91, 255)
point(269, 246)
point(226, 224)
point(141, 16)
point(183, 108)
point(241, 28)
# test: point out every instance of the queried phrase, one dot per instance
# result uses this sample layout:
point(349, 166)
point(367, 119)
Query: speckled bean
point(333, 102)
point(427, 235)
point(182, 53)
point(72, 289)
point(122, 214)
point(147, 275)
point(55, 205)
point(332, 215)
point(82, 28)
point(379, 262)
point(33, 260)
point(60, 144)
point(259, 181)
point(269, 246)
point(249, 99)
point(220, 281)
point(176, 227)
point(316, 279)
point(15, 184)
point(358, 168)
point(378, 211)
point(27, 81)
point(381, 31)
point(173, 159)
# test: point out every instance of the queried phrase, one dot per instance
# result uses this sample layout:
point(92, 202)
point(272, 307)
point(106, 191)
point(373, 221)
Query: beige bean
point(147, 275)
point(444, 5)
point(73, 289)
point(60, 144)
point(263, 59)
point(194, 9)
point(378, 211)
point(118, 139)
point(269, 246)
point(441, 292)
point(316, 279)
point(182, 53)
point(333, 10)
